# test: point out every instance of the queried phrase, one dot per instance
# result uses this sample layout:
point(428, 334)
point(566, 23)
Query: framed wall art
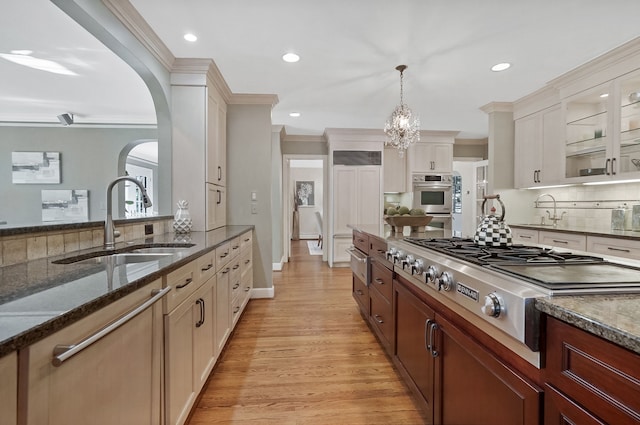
point(305, 193)
point(65, 205)
point(35, 167)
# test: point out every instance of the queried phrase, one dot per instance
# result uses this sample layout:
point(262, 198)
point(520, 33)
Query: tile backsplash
point(31, 246)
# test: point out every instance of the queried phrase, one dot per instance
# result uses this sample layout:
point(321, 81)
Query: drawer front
point(222, 255)
point(235, 285)
point(616, 247)
point(361, 294)
point(563, 240)
point(382, 316)
point(246, 240)
point(234, 247)
point(361, 241)
point(377, 248)
point(599, 375)
point(184, 282)
point(524, 235)
point(206, 266)
point(381, 280)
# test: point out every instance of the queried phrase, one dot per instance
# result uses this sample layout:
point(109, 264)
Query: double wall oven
point(434, 194)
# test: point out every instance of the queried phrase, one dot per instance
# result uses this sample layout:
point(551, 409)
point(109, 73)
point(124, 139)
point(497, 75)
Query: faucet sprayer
point(109, 232)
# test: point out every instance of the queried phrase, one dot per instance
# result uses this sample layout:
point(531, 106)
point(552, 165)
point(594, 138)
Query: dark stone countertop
point(607, 233)
point(615, 318)
point(38, 298)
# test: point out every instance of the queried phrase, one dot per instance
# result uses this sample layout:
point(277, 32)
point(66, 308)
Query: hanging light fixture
point(402, 128)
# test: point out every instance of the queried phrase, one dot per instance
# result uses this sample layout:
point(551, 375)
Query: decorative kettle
point(493, 231)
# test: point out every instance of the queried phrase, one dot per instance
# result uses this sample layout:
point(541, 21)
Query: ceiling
point(346, 77)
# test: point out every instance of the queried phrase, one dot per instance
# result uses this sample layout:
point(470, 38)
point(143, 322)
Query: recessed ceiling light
point(290, 57)
point(604, 95)
point(294, 114)
point(190, 37)
point(500, 66)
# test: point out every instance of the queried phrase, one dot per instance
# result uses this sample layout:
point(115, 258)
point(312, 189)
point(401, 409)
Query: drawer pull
point(610, 248)
point(235, 267)
point(247, 289)
point(378, 318)
point(525, 236)
point(560, 241)
point(225, 271)
point(62, 353)
point(236, 286)
point(247, 261)
point(207, 268)
point(359, 292)
point(225, 254)
point(186, 282)
point(235, 310)
point(247, 240)
point(379, 281)
point(236, 247)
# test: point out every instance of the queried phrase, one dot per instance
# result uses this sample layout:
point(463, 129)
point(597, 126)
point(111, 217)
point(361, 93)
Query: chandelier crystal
point(402, 128)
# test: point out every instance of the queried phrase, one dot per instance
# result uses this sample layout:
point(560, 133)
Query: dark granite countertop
point(38, 298)
point(615, 318)
point(607, 233)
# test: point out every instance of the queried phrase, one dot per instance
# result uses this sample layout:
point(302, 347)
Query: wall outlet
point(148, 229)
point(254, 208)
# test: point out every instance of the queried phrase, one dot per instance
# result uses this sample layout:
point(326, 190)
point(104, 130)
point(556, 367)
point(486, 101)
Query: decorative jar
point(182, 220)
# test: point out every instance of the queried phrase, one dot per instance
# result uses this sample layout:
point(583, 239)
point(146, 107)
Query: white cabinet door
point(345, 202)
point(394, 171)
point(204, 344)
point(216, 206)
point(528, 146)
point(223, 308)
point(431, 158)
point(115, 380)
point(368, 195)
point(9, 389)
point(552, 158)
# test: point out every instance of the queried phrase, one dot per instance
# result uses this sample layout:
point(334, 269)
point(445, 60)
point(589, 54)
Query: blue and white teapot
point(493, 231)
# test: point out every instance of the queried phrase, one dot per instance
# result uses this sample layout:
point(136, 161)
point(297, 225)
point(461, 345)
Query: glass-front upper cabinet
point(588, 146)
point(629, 90)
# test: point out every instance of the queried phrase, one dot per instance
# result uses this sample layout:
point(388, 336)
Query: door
point(468, 375)
point(413, 319)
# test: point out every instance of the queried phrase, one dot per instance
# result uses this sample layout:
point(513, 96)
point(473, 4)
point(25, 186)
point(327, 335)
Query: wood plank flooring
point(305, 357)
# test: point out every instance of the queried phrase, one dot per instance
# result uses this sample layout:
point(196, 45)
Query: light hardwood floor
point(305, 357)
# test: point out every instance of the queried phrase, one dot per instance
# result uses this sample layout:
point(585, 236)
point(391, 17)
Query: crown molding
point(253, 99)
point(141, 30)
point(497, 107)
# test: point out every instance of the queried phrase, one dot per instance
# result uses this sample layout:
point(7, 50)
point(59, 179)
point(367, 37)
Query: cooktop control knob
point(493, 305)
point(445, 281)
point(431, 274)
point(417, 267)
point(399, 256)
point(408, 262)
point(391, 253)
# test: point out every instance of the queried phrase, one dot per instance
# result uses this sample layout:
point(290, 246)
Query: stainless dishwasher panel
point(360, 264)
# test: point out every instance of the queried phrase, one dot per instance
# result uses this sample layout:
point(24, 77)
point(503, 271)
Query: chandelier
point(402, 128)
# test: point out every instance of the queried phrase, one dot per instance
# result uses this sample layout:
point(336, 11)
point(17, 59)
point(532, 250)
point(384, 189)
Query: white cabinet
point(115, 380)
point(216, 206)
point(538, 146)
point(613, 246)
point(524, 236)
point(357, 199)
point(190, 351)
point(223, 307)
point(395, 171)
point(9, 389)
point(216, 141)
point(431, 157)
point(573, 241)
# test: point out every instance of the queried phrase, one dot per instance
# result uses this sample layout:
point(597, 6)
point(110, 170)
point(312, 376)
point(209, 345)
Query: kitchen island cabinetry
point(114, 380)
point(589, 380)
point(455, 378)
point(9, 389)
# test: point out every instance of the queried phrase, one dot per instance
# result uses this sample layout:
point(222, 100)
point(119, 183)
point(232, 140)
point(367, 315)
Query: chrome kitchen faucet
point(555, 219)
point(109, 232)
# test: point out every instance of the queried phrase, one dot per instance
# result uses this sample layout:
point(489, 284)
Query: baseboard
point(277, 267)
point(262, 293)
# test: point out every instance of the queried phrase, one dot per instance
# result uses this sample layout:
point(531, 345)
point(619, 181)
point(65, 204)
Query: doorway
point(304, 204)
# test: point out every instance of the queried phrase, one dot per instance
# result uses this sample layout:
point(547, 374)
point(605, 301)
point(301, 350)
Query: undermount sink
point(127, 255)
point(125, 258)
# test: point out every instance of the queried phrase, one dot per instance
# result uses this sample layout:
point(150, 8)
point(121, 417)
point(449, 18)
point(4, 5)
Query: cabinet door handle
point(359, 292)
point(378, 318)
point(432, 328)
point(219, 197)
point(560, 241)
point(63, 353)
point(380, 281)
point(613, 166)
point(200, 303)
point(219, 173)
point(606, 166)
point(186, 282)
point(427, 336)
point(610, 248)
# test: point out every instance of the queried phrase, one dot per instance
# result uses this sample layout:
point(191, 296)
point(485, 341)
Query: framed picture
point(305, 193)
point(69, 205)
point(35, 167)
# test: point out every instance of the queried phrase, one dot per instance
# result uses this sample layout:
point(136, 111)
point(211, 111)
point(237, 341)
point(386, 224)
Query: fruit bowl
point(416, 222)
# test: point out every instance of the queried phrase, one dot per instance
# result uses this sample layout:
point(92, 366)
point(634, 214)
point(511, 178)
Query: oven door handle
point(357, 255)
point(430, 186)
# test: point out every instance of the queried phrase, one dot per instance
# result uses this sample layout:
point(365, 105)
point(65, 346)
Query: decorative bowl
point(417, 222)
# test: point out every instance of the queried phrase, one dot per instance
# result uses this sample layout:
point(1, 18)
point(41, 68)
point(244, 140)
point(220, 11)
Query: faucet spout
point(555, 217)
point(109, 231)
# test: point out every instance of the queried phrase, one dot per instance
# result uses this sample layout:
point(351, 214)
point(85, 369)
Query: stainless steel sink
point(158, 250)
point(125, 258)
